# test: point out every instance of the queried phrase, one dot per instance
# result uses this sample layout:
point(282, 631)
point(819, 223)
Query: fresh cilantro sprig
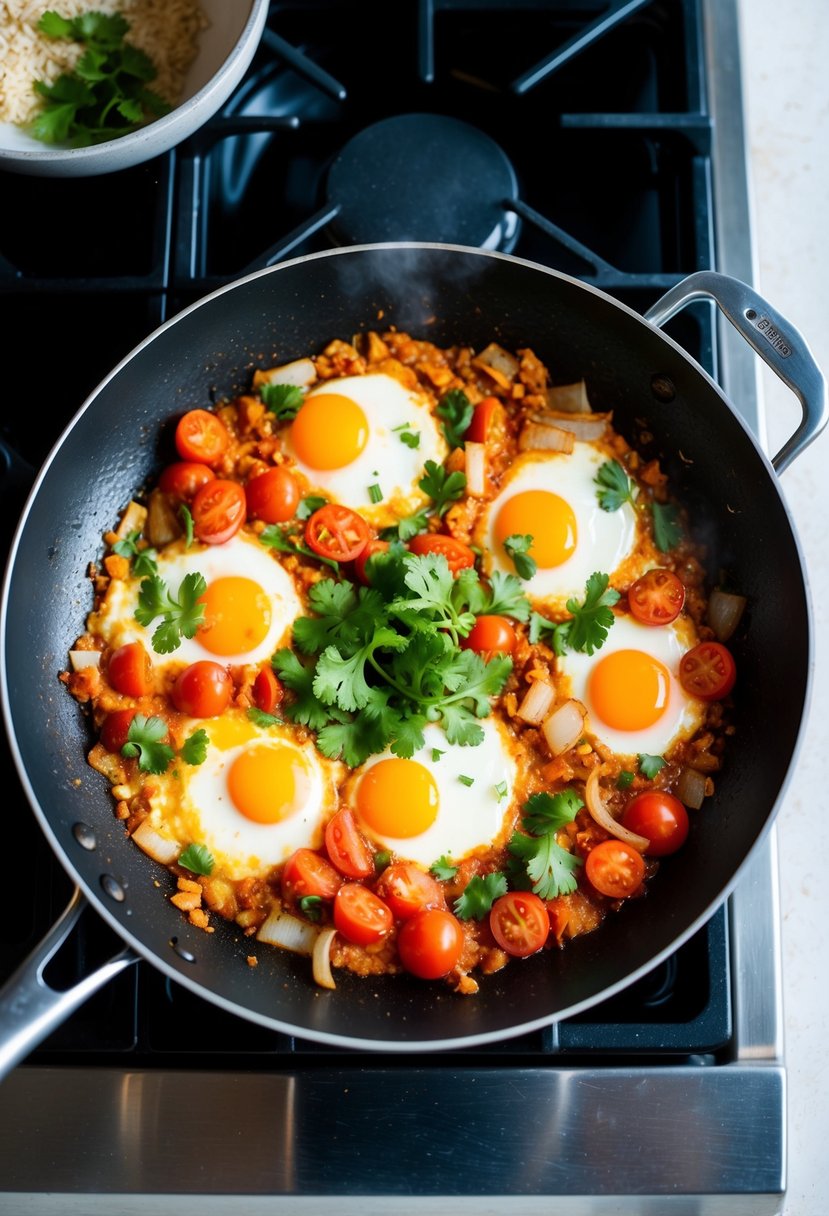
point(541, 862)
point(194, 748)
point(181, 615)
point(283, 400)
point(505, 597)
point(144, 743)
point(198, 859)
point(667, 530)
point(443, 487)
point(614, 486)
point(143, 560)
point(589, 622)
point(284, 541)
point(518, 548)
point(443, 869)
point(479, 895)
point(455, 410)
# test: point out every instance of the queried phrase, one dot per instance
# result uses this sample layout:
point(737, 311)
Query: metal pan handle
point(775, 340)
point(29, 1008)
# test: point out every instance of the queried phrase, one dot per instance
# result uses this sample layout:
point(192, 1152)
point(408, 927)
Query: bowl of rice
point(94, 86)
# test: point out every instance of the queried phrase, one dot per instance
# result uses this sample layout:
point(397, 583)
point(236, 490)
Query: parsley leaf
point(144, 741)
point(549, 867)
point(615, 487)
point(443, 869)
point(479, 895)
point(518, 548)
point(442, 487)
point(261, 718)
point(180, 616)
point(667, 530)
point(311, 906)
point(310, 504)
point(455, 410)
point(649, 766)
point(187, 519)
point(587, 629)
point(283, 400)
point(197, 858)
point(194, 748)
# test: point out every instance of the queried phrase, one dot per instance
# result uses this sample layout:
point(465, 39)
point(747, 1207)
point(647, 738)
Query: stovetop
point(596, 139)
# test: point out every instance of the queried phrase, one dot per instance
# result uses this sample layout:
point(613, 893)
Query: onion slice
point(536, 704)
point(282, 929)
point(545, 437)
point(690, 788)
point(159, 847)
point(301, 373)
point(475, 469)
point(595, 804)
point(571, 398)
point(584, 426)
point(82, 659)
point(564, 727)
point(321, 958)
point(724, 613)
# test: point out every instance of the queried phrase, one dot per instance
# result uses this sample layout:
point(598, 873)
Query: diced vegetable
point(690, 788)
point(282, 929)
point(82, 659)
point(725, 611)
point(498, 363)
point(545, 437)
point(595, 804)
point(537, 702)
point(160, 848)
point(569, 398)
point(300, 373)
point(321, 958)
point(132, 520)
point(587, 427)
point(476, 469)
point(563, 729)
point(163, 524)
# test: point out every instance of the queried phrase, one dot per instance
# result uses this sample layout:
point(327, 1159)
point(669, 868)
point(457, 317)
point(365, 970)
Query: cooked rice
point(166, 30)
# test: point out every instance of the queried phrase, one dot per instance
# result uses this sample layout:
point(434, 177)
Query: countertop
point(785, 50)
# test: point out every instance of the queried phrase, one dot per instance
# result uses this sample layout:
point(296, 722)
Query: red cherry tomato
point(306, 873)
point(615, 869)
point(708, 671)
point(657, 597)
point(115, 728)
point(337, 533)
point(273, 496)
point(219, 510)
point(458, 555)
point(490, 635)
point(184, 478)
point(483, 417)
point(130, 670)
point(659, 816)
point(360, 915)
point(373, 546)
point(408, 889)
point(430, 943)
point(519, 923)
point(346, 847)
point(203, 690)
point(202, 437)
point(267, 691)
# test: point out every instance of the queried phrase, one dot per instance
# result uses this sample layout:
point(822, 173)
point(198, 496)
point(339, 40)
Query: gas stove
point(606, 142)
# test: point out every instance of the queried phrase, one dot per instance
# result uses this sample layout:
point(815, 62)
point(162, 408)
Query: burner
point(423, 177)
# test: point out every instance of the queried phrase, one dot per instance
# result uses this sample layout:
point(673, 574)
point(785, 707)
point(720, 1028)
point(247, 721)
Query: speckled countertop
point(785, 51)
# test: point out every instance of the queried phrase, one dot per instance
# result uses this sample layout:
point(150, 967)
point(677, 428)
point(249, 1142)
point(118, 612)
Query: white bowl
point(226, 48)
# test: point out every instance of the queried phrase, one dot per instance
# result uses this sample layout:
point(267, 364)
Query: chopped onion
point(584, 426)
point(476, 469)
point(300, 374)
point(571, 398)
point(162, 521)
point(545, 437)
point(159, 847)
point(81, 659)
point(499, 363)
point(690, 788)
point(564, 727)
point(724, 613)
point(321, 958)
point(595, 804)
point(536, 704)
point(132, 520)
point(282, 929)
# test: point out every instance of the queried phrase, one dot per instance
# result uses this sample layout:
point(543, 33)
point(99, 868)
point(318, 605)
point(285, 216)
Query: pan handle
point(775, 340)
point(29, 1008)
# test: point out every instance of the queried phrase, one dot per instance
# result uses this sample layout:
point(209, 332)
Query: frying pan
point(448, 294)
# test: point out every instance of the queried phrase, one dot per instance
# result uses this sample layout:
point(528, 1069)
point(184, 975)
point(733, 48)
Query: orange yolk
point(264, 783)
point(398, 798)
point(629, 690)
point(329, 431)
point(237, 616)
point(544, 516)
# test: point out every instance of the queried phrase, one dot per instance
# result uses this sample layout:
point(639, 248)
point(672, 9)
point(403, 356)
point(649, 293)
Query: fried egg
point(634, 700)
point(346, 438)
point(445, 800)
point(250, 604)
point(259, 795)
point(552, 497)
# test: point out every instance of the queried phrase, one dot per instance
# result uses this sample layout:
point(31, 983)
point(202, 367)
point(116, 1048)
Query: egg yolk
point(329, 431)
point(544, 516)
point(266, 783)
point(628, 690)
point(237, 616)
point(398, 798)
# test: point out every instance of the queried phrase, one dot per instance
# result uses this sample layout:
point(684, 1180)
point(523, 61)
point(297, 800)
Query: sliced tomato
point(708, 671)
point(360, 915)
point(183, 479)
point(337, 533)
point(267, 691)
point(657, 597)
point(115, 728)
point(659, 816)
point(373, 546)
point(346, 848)
point(483, 417)
point(615, 869)
point(273, 496)
point(219, 510)
point(458, 555)
point(490, 635)
point(307, 873)
point(408, 889)
point(202, 690)
point(130, 671)
point(430, 943)
point(202, 437)
point(519, 923)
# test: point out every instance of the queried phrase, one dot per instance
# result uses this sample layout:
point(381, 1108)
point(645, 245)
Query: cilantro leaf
point(261, 718)
point(54, 26)
point(144, 741)
point(194, 749)
point(615, 487)
point(180, 615)
point(455, 410)
point(649, 766)
point(551, 869)
point(277, 538)
point(409, 526)
point(310, 504)
point(341, 680)
point(305, 708)
point(432, 590)
point(143, 560)
point(506, 597)
point(197, 858)
point(128, 546)
point(591, 620)
point(540, 626)
point(442, 487)
point(333, 603)
point(549, 812)
point(283, 400)
point(479, 895)
point(518, 548)
point(443, 869)
point(667, 530)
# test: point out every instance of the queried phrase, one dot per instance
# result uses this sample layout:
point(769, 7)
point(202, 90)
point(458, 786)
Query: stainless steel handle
point(29, 1008)
point(775, 340)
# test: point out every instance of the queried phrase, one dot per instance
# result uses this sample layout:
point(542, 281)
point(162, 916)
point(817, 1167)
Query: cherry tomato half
point(708, 671)
point(360, 915)
point(115, 728)
point(659, 816)
point(408, 889)
point(273, 496)
point(130, 670)
point(184, 478)
point(202, 437)
point(267, 691)
point(483, 417)
point(337, 533)
point(373, 546)
point(203, 690)
point(458, 555)
point(346, 847)
point(306, 873)
point(657, 597)
point(519, 923)
point(615, 869)
point(430, 943)
point(219, 510)
point(490, 635)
